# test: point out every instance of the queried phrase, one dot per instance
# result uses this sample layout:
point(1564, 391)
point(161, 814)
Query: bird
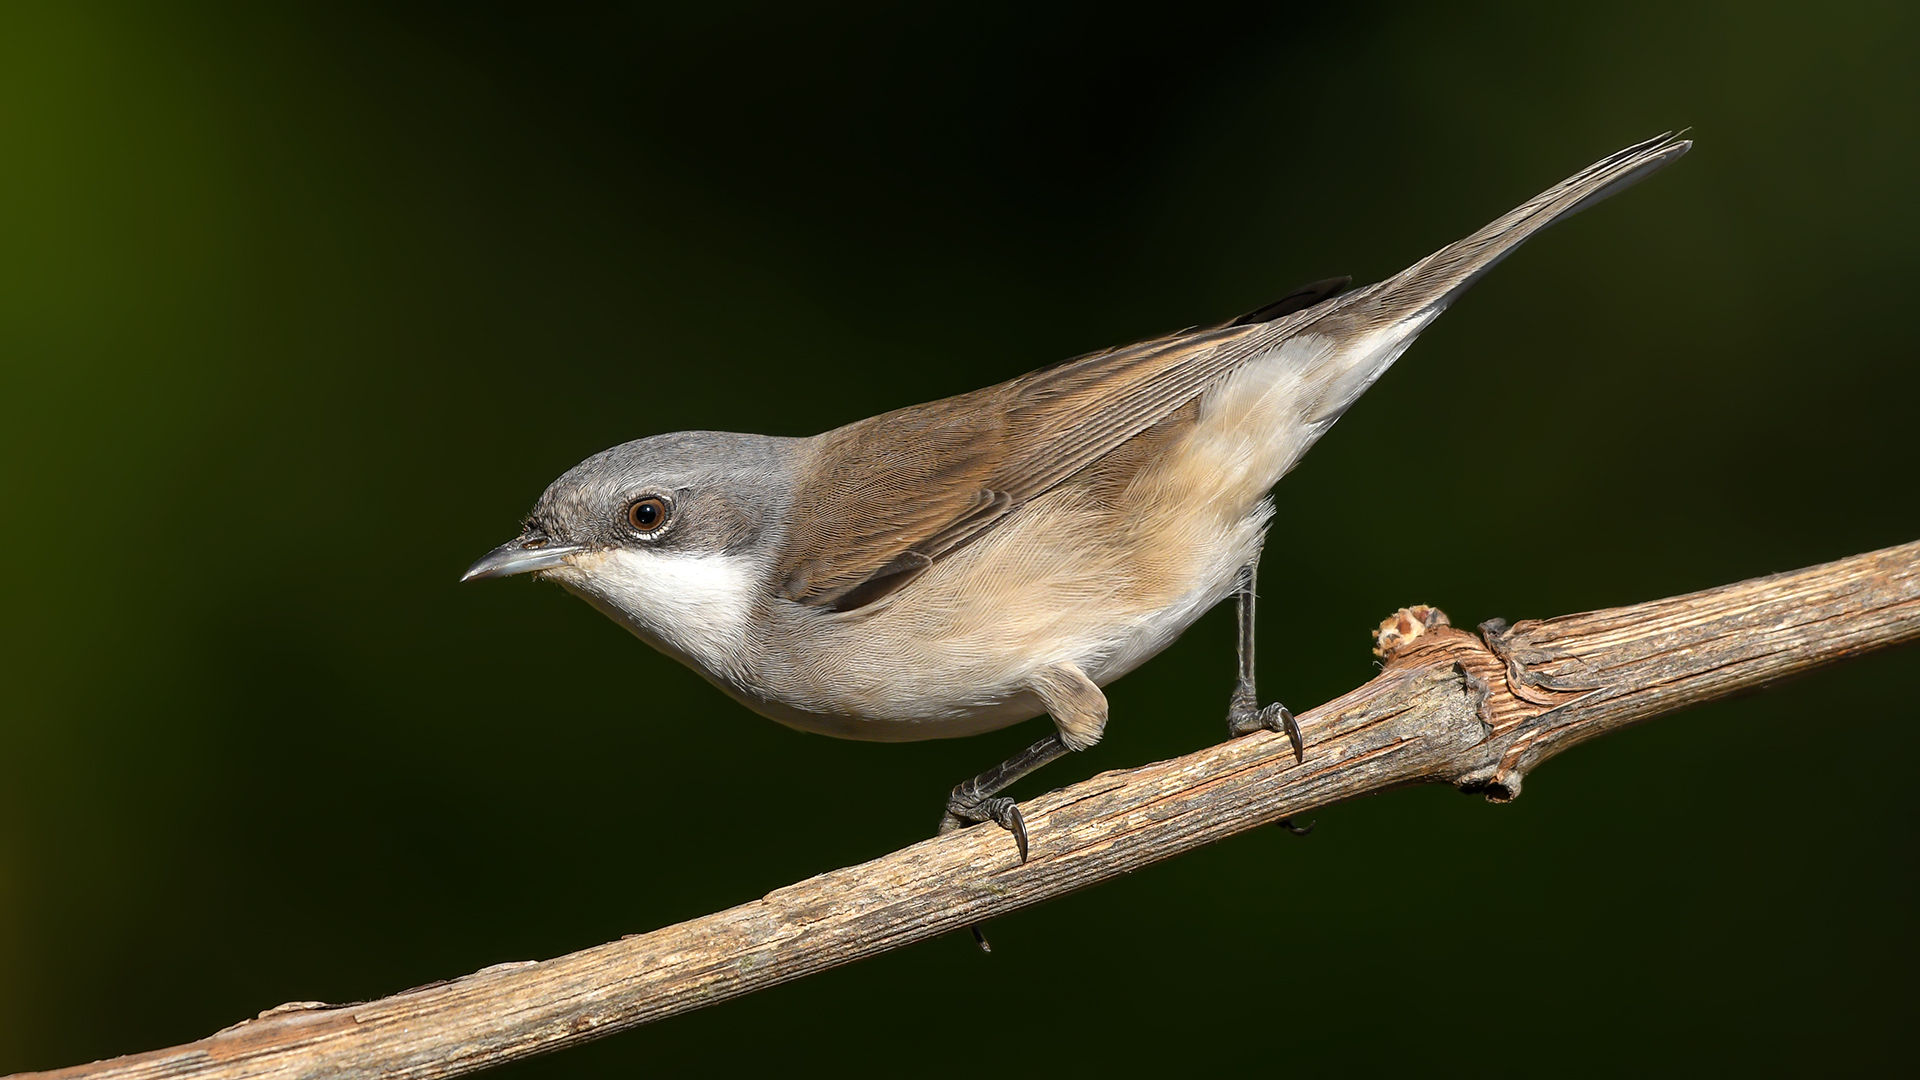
point(963, 565)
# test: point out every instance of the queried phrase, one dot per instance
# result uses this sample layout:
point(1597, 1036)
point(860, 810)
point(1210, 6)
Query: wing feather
point(890, 495)
point(895, 492)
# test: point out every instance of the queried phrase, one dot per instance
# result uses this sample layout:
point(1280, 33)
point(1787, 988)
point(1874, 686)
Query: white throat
point(694, 607)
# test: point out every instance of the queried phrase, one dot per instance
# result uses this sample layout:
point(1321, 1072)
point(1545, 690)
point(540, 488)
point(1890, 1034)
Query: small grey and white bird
point(956, 567)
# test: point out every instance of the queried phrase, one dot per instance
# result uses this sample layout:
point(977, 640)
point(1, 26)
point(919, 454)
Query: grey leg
point(1244, 713)
point(979, 799)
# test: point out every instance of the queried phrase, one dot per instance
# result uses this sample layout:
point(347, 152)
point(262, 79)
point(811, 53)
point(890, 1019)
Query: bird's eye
point(647, 514)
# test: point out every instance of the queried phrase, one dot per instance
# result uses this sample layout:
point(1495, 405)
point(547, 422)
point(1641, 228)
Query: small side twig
point(1448, 706)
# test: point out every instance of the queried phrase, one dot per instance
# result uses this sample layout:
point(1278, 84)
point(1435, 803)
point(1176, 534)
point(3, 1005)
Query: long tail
point(1343, 345)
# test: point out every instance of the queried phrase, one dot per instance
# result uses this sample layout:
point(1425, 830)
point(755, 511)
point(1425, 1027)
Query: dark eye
point(648, 514)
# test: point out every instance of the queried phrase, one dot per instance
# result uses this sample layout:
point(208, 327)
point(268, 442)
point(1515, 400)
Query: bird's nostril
point(534, 542)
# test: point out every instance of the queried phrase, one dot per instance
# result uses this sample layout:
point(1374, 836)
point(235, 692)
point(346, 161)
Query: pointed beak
point(522, 556)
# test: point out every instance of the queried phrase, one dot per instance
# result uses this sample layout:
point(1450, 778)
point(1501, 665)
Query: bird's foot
point(965, 808)
point(1244, 715)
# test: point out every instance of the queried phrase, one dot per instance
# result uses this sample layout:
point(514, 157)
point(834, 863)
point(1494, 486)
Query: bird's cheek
point(579, 570)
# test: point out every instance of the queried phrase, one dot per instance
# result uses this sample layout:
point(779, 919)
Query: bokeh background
point(301, 306)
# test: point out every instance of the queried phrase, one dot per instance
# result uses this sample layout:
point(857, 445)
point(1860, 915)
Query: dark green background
point(302, 306)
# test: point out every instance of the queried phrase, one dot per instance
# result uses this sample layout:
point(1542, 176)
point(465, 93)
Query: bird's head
point(670, 536)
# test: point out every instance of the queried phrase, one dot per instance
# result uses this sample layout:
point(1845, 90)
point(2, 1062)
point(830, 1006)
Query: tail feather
point(1440, 277)
point(1354, 339)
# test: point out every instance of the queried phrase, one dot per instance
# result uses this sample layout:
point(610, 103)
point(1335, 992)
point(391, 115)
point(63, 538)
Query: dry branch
point(1448, 706)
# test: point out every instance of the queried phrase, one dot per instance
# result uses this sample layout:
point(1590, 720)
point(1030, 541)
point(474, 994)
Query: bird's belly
point(956, 654)
point(968, 692)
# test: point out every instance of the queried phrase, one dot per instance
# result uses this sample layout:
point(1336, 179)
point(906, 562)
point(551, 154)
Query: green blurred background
point(301, 306)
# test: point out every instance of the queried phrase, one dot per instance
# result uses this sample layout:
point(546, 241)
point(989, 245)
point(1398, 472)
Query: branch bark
point(1475, 711)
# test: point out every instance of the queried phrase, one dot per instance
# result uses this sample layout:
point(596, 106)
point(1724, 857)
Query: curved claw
point(1287, 824)
point(999, 809)
point(1006, 814)
point(1277, 714)
point(1243, 717)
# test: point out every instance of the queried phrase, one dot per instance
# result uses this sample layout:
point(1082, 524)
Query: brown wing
point(898, 491)
point(907, 487)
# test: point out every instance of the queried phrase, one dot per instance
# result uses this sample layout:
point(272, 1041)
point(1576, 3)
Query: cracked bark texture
point(1477, 711)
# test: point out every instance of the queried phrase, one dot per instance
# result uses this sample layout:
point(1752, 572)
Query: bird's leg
point(979, 799)
point(1079, 712)
point(1244, 713)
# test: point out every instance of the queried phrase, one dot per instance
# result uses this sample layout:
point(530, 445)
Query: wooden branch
point(1448, 706)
